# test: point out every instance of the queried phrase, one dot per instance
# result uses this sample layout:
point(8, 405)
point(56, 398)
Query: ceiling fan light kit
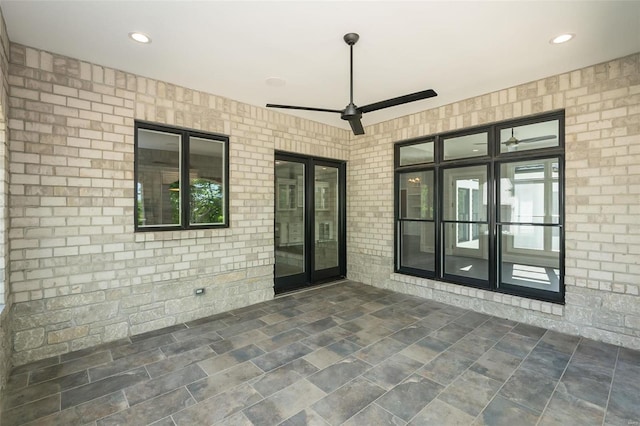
point(353, 113)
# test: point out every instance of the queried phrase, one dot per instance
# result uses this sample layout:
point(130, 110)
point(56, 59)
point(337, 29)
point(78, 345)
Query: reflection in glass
point(289, 232)
point(529, 192)
point(530, 136)
point(206, 192)
point(416, 195)
point(416, 154)
point(467, 258)
point(158, 186)
point(474, 145)
point(465, 197)
point(418, 245)
point(326, 217)
point(539, 266)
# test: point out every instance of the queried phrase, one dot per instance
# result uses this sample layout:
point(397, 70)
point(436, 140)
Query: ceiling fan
point(512, 142)
point(353, 113)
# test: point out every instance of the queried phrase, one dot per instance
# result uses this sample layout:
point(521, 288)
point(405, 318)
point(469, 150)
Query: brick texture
point(602, 107)
point(5, 302)
point(80, 275)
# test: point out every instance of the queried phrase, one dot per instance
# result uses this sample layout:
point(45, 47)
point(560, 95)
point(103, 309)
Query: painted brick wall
point(80, 276)
point(602, 105)
point(5, 303)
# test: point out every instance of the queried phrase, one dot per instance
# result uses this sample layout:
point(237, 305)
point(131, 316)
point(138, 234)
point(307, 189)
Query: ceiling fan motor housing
point(350, 112)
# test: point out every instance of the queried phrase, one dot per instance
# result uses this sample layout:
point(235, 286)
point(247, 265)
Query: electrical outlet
point(199, 291)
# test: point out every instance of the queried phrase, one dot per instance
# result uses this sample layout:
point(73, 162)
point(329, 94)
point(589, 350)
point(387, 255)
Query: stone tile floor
point(342, 354)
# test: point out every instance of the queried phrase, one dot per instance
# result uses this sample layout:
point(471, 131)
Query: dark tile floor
point(342, 354)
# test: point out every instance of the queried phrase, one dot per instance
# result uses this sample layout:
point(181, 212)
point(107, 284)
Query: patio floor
point(340, 354)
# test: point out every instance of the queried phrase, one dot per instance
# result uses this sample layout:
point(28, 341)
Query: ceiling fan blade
point(302, 108)
point(537, 139)
point(399, 100)
point(356, 126)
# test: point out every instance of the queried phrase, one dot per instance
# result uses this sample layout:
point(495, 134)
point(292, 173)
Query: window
point(181, 178)
point(483, 207)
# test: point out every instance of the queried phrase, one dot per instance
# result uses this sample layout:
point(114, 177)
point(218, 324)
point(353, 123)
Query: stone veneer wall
point(80, 275)
point(602, 107)
point(5, 302)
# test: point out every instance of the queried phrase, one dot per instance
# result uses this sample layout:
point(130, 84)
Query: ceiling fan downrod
point(351, 112)
point(351, 39)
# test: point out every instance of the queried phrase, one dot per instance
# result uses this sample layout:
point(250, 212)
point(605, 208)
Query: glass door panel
point(309, 221)
point(290, 213)
point(326, 217)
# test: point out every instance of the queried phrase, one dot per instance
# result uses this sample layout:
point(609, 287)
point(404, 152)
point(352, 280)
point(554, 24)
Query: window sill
point(181, 234)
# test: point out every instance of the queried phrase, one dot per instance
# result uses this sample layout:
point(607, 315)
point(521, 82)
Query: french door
point(310, 217)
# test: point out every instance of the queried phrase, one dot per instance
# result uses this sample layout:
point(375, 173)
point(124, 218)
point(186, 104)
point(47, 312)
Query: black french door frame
point(311, 276)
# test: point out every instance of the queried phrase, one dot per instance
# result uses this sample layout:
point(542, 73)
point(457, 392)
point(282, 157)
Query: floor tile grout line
point(512, 373)
point(459, 376)
point(71, 407)
point(613, 376)
point(112, 375)
point(5, 408)
point(445, 387)
point(387, 391)
point(337, 300)
point(126, 400)
point(555, 389)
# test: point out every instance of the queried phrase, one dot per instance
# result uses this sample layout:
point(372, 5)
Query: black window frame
point(185, 135)
point(493, 161)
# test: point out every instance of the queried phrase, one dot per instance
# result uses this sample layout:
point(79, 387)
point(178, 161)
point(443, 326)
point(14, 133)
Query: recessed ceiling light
point(562, 38)
point(140, 37)
point(275, 82)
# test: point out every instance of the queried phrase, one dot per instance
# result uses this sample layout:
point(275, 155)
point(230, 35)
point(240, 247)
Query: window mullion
point(524, 274)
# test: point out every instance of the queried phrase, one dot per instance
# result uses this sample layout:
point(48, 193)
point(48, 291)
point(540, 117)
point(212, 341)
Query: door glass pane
point(465, 194)
point(418, 245)
point(538, 266)
point(416, 195)
point(326, 217)
point(466, 258)
point(530, 136)
point(158, 187)
point(416, 153)
point(206, 177)
point(289, 232)
point(465, 146)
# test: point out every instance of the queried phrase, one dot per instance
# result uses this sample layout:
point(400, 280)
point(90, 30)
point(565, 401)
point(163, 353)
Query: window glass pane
point(206, 181)
point(416, 195)
point(416, 154)
point(466, 146)
point(466, 250)
point(158, 187)
point(529, 191)
point(530, 136)
point(417, 245)
point(530, 256)
point(465, 194)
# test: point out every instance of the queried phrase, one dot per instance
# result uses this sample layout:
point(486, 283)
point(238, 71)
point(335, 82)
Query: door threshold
point(310, 288)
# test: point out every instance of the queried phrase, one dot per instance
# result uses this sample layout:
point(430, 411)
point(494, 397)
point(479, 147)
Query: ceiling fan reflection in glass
point(530, 136)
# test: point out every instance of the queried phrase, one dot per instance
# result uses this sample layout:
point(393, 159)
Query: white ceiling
point(229, 48)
